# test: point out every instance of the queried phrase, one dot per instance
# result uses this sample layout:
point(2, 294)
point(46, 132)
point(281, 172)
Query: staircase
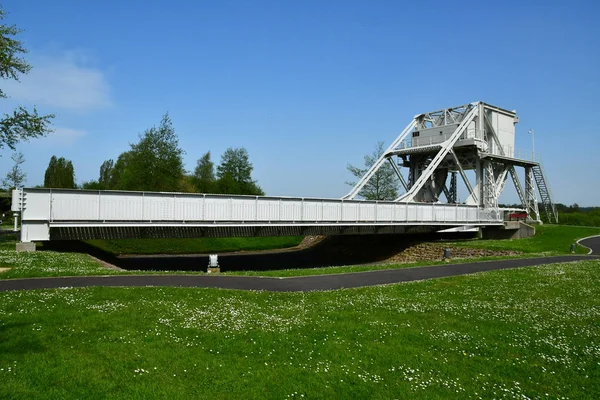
point(545, 195)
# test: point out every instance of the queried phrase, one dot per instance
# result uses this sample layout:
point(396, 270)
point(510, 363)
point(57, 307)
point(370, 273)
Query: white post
point(532, 145)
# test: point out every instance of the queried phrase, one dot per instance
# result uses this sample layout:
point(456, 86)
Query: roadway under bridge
point(63, 214)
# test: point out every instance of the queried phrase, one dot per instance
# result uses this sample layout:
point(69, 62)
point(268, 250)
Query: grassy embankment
point(550, 240)
point(195, 245)
point(525, 333)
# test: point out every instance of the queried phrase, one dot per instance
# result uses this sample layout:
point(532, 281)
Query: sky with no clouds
point(306, 86)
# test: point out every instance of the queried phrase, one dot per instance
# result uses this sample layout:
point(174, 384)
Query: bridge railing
point(63, 205)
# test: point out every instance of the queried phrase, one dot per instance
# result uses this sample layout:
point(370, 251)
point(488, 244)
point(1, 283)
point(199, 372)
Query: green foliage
point(5, 203)
point(91, 185)
point(383, 185)
point(60, 174)
point(581, 219)
point(155, 163)
point(120, 172)
point(235, 173)
point(204, 174)
point(15, 178)
point(576, 215)
point(21, 125)
point(186, 184)
point(105, 180)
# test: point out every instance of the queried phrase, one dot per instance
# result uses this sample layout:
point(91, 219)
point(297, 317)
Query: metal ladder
point(546, 196)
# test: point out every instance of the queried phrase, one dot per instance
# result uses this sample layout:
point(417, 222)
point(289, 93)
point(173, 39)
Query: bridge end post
point(25, 247)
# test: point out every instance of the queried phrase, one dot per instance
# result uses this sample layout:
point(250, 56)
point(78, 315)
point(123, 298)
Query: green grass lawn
point(549, 239)
point(194, 245)
point(524, 333)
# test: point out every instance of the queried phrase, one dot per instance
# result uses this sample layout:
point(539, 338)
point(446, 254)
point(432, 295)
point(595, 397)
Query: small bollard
point(573, 248)
point(213, 264)
point(447, 254)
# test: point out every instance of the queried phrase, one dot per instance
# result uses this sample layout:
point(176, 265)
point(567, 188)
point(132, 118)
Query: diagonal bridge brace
point(386, 154)
point(444, 150)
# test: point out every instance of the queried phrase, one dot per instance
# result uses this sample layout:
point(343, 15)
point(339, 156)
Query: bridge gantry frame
point(438, 146)
point(435, 147)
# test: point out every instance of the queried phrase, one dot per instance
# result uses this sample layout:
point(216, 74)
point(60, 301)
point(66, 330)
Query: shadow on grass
point(14, 342)
point(8, 236)
point(331, 251)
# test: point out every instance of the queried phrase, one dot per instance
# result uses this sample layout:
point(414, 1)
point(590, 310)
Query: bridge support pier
point(510, 230)
point(25, 247)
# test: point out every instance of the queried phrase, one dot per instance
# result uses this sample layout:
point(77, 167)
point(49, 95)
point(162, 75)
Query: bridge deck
point(83, 214)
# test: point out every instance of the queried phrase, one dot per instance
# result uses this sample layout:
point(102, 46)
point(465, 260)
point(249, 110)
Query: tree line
point(575, 215)
point(155, 163)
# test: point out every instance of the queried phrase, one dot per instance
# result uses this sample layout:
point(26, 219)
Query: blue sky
point(307, 86)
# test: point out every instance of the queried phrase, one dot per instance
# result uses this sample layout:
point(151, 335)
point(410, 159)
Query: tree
point(155, 163)
point(204, 174)
point(105, 181)
point(235, 173)
point(50, 174)
point(92, 185)
point(119, 172)
point(60, 174)
point(15, 178)
point(21, 125)
point(383, 185)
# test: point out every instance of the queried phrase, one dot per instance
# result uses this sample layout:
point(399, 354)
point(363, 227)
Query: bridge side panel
point(158, 207)
point(36, 206)
point(44, 208)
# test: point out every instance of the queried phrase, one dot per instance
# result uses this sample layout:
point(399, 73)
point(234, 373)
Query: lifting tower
point(437, 147)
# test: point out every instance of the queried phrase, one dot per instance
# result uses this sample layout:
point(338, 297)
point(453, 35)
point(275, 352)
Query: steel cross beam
point(531, 198)
point(518, 186)
point(464, 177)
point(501, 181)
point(453, 192)
point(444, 150)
point(363, 181)
point(395, 167)
point(489, 185)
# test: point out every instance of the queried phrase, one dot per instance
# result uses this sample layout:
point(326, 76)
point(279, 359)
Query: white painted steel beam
point(43, 209)
point(399, 174)
point(363, 181)
point(445, 148)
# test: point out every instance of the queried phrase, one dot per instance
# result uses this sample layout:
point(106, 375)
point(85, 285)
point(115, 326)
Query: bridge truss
point(435, 147)
point(439, 146)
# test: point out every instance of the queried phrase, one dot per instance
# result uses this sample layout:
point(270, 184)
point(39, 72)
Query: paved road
point(295, 284)
point(593, 243)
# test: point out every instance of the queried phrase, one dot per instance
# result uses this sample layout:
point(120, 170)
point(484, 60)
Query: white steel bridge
point(63, 214)
point(436, 147)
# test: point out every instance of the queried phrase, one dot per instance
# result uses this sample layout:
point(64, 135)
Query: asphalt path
point(592, 243)
point(292, 284)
